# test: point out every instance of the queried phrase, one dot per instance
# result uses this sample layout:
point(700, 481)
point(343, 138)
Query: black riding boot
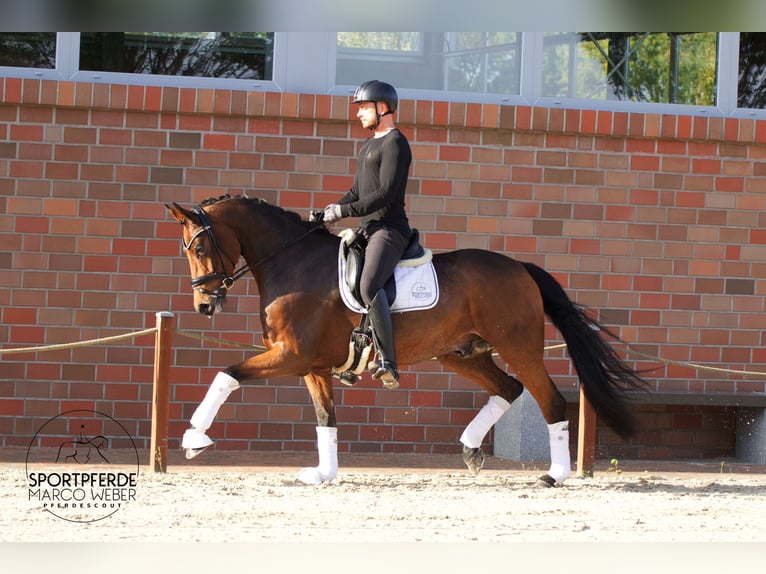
point(383, 335)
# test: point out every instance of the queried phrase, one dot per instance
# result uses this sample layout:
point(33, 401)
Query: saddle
point(415, 271)
point(354, 250)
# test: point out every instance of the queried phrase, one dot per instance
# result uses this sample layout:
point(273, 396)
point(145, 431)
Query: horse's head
point(212, 249)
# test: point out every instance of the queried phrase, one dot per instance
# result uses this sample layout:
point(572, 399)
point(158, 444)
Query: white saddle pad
point(417, 287)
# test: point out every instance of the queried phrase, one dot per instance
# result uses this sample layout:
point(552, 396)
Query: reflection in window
point(28, 49)
point(751, 86)
point(678, 68)
point(484, 62)
point(382, 42)
point(474, 62)
point(240, 55)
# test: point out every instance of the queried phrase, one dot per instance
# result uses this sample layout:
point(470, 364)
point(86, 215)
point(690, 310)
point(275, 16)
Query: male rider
point(377, 196)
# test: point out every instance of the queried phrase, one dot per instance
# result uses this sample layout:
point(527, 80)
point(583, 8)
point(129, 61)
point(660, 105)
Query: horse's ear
point(179, 213)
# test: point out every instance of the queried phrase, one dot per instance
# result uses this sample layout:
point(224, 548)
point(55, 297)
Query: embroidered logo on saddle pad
point(417, 287)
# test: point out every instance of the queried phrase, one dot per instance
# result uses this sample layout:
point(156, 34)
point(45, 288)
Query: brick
point(22, 132)
point(685, 225)
point(80, 135)
point(646, 163)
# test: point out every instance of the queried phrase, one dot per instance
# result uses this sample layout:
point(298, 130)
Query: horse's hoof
point(311, 475)
point(192, 452)
point(195, 441)
point(473, 459)
point(546, 481)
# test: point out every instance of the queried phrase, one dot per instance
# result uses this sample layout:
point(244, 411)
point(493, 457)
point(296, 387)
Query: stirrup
point(348, 378)
point(386, 373)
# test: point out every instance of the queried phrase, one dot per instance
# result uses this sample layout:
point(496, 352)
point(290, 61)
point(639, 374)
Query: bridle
point(226, 280)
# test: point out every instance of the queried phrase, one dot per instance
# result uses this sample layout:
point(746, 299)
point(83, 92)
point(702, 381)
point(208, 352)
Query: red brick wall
point(654, 220)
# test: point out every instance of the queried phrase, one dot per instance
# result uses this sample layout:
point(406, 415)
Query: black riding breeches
point(384, 249)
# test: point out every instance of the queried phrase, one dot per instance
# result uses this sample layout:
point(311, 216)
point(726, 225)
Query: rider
point(377, 196)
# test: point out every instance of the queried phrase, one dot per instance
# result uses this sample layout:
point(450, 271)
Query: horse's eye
point(199, 250)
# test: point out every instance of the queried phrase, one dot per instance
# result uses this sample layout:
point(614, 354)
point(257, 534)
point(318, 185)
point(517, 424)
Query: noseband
point(226, 280)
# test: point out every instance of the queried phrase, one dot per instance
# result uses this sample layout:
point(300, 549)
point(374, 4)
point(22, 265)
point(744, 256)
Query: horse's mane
point(263, 205)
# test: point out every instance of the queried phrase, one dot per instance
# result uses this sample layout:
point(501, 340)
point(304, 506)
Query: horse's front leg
point(195, 440)
point(274, 362)
point(320, 389)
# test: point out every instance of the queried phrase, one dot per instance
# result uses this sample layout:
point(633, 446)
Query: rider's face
point(366, 114)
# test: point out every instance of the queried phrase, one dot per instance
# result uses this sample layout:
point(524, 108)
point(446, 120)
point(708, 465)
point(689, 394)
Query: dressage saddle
point(354, 256)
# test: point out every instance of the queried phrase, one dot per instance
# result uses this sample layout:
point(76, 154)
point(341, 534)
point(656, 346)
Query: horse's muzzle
point(210, 306)
point(206, 309)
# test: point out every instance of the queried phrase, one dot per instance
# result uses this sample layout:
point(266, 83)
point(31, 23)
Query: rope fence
point(90, 343)
point(260, 348)
point(161, 384)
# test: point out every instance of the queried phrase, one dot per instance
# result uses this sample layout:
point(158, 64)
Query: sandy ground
point(254, 497)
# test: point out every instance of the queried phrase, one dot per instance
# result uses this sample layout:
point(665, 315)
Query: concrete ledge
point(750, 445)
point(712, 399)
point(522, 433)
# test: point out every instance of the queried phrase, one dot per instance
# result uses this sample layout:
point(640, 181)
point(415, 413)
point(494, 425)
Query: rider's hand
point(316, 216)
point(332, 213)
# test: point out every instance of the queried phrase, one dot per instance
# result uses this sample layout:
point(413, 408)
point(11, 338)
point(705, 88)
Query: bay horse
point(489, 304)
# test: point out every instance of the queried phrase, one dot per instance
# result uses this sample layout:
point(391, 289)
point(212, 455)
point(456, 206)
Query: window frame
point(305, 62)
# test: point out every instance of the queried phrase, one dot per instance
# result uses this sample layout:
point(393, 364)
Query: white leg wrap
point(561, 465)
point(327, 446)
point(477, 429)
point(220, 389)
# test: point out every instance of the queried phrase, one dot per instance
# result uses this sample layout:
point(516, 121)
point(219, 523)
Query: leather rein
point(226, 280)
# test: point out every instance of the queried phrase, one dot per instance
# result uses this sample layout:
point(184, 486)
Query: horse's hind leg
point(503, 390)
point(553, 407)
point(320, 389)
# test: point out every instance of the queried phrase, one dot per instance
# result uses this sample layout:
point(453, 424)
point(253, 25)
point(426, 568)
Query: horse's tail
point(604, 376)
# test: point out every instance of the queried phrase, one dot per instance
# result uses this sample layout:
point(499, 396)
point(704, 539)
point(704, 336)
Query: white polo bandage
point(477, 429)
point(561, 465)
point(220, 389)
point(327, 446)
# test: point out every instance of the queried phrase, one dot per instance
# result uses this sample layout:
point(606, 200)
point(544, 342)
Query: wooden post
point(586, 437)
point(163, 352)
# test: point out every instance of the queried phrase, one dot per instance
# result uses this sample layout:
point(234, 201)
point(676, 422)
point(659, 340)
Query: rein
point(227, 280)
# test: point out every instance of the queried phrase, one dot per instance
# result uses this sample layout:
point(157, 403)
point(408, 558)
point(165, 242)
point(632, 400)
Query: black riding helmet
point(377, 91)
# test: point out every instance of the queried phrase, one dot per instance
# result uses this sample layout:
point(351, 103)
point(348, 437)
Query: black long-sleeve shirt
point(377, 195)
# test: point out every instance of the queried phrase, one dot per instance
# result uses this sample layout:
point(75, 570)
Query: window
point(658, 67)
point(28, 50)
point(474, 62)
point(751, 84)
point(236, 55)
